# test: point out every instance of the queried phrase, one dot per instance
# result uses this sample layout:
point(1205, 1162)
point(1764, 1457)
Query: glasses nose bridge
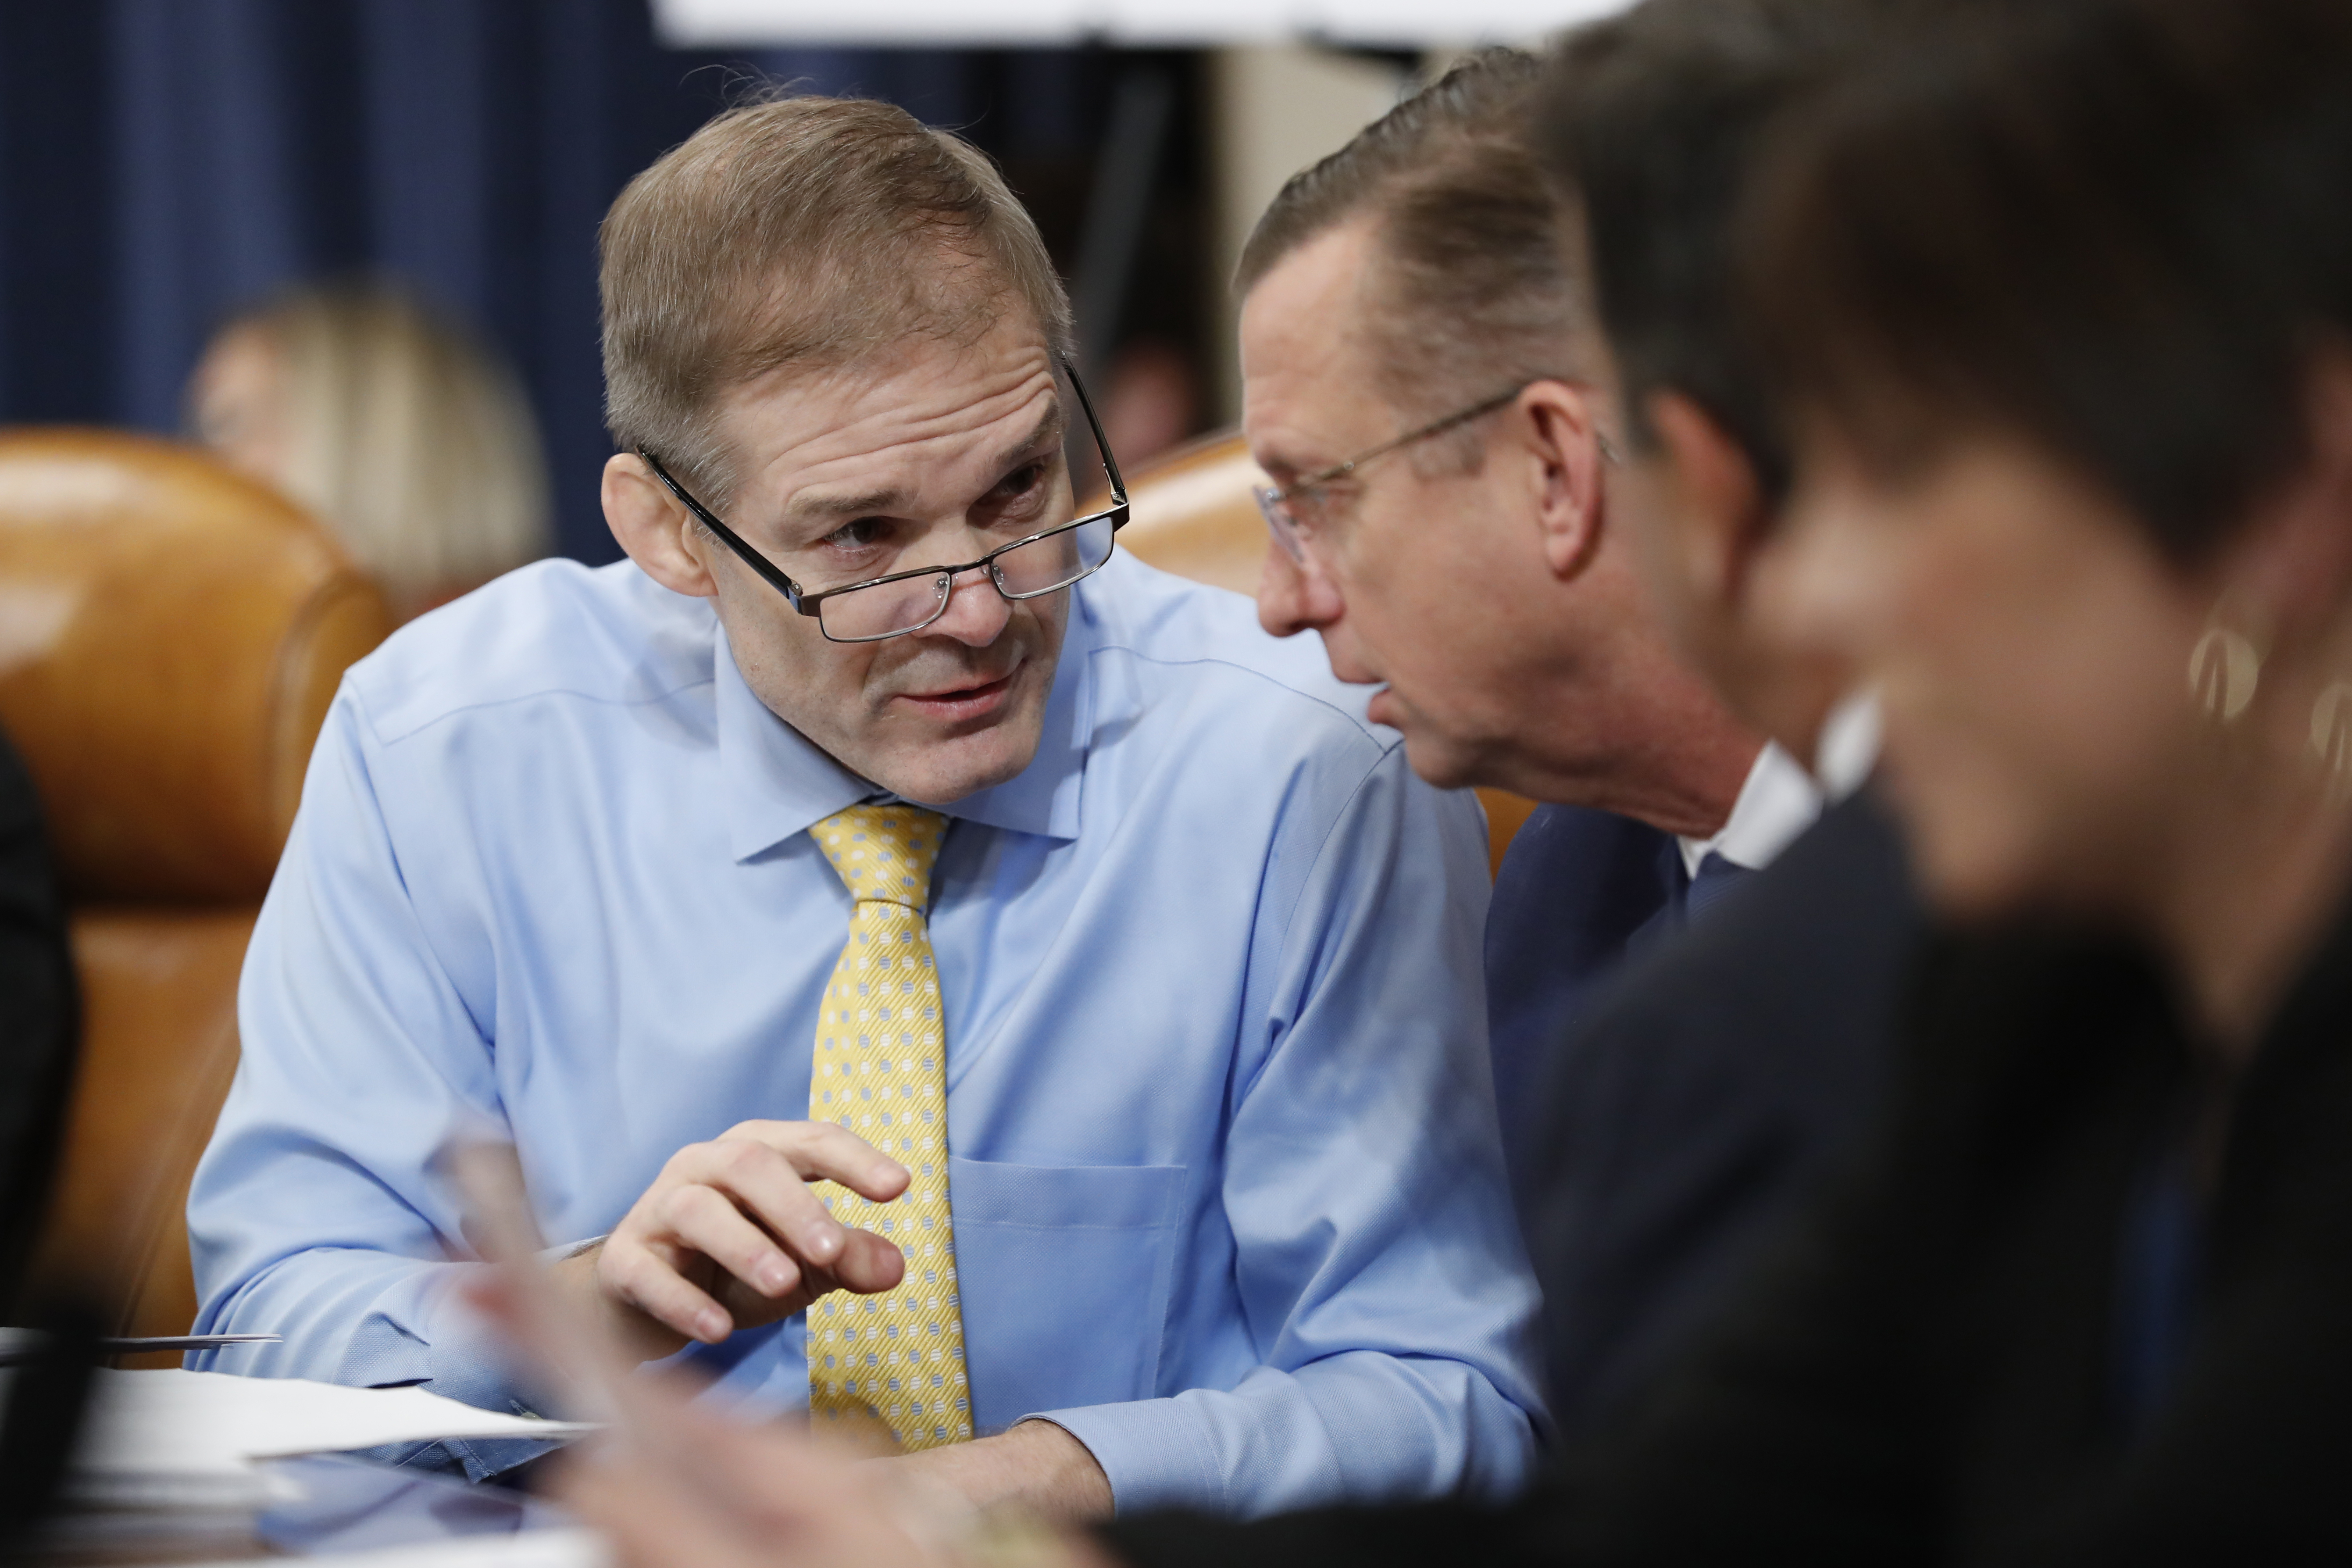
point(986, 570)
point(971, 576)
point(1280, 521)
point(959, 583)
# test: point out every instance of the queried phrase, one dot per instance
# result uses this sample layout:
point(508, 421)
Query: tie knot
point(884, 853)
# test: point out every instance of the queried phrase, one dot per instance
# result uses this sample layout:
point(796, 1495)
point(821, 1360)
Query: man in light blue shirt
point(1228, 1212)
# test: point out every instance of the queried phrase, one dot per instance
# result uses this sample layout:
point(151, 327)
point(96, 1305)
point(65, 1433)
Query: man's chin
point(1442, 767)
point(938, 763)
point(945, 786)
point(1432, 756)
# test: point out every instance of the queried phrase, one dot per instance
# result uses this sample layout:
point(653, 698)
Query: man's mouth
point(956, 704)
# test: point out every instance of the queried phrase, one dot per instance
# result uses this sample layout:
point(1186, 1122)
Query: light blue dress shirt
point(1227, 1197)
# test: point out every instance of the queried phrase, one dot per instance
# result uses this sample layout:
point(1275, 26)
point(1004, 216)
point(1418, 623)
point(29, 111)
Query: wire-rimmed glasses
point(1278, 504)
point(902, 602)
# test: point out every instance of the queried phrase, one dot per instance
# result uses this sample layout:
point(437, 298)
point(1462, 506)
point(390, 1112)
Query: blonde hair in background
point(412, 441)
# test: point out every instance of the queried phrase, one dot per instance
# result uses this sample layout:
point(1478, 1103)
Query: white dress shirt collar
point(778, 783)
point(1848, 748)
point(1778, 801)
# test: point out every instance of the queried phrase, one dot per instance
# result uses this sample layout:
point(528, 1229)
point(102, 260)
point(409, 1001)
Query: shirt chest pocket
point(1065, 1273)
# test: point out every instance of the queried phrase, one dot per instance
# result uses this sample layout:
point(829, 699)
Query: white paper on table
point(184, 1437)
point(522, 1549)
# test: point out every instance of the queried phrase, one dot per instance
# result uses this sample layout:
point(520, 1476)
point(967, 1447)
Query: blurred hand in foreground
point(685, 1488)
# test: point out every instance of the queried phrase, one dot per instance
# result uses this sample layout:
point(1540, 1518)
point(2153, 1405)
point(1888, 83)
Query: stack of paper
point(190, 1440)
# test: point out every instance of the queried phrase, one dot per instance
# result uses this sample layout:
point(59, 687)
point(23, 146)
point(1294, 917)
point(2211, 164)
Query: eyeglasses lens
point(885, 610)
point(1040, 566)
point(1056, 561)
point(1282, 522)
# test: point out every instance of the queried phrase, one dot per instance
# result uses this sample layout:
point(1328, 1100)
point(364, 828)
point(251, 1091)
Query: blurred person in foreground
point(410, 438)
point(1716, 1083)
point(939, 971)
point(1419, 380)
point(2062, 296)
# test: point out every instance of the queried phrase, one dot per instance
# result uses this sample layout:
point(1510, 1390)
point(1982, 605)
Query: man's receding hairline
point(830, 228)
point(1364, 214)
point(726, 399)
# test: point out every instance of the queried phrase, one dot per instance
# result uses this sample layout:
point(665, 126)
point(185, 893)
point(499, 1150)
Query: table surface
point(348, 1505)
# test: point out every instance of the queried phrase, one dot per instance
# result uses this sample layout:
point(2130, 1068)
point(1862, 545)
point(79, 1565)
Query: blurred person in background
point(1153, 399)
point(409, 438)
point(2062, 297)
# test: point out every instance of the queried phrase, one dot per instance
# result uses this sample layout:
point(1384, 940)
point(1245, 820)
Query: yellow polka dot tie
point(881, 1071)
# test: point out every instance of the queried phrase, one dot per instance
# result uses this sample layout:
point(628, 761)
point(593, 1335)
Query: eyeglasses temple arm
point(1102, 442)
point(728, 536)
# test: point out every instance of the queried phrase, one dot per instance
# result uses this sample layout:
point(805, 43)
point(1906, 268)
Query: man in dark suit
point(1419, 380)
point(1652, 1147)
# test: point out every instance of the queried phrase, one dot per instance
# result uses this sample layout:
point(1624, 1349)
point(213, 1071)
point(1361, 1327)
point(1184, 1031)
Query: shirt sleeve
point(314, 1214)
point(1379, 1265)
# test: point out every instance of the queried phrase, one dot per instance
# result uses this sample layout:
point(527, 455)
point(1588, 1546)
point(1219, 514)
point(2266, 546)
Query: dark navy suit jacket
point(1577, 890)
point(1710, 1084)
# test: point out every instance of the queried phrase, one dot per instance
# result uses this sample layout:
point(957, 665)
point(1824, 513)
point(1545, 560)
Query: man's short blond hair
point(803, 233)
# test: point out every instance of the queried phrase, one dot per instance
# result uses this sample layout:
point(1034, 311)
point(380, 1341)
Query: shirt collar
point(1848, 748)
point(778, 783)
point(1778, 801)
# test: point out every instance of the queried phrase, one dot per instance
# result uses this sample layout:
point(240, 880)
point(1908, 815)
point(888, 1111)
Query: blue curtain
point(163, 163)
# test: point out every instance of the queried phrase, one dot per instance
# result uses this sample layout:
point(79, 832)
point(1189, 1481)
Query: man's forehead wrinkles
point(815, 498)
point(905, 428)
point(1047, 431)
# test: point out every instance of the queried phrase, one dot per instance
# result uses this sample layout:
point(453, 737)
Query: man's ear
point(1570, 496)
point(1714, 505)
point(658, 532)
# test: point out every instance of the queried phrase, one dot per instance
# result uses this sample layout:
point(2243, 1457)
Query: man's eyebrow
point(805, 508)
point(1049, 430)
point(808, 507)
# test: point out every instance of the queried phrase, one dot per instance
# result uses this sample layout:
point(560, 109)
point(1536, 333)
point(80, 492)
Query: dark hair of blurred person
point(408, 435)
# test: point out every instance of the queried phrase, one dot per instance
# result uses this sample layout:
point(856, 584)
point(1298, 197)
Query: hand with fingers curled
point(732, 1235)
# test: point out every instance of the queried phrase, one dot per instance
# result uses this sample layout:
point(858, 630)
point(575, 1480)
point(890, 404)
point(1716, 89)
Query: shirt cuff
point(1149, 1452)
point(466, 1359)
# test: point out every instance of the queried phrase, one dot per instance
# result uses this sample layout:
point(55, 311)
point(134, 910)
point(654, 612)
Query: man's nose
point(1294, 597)
point(976, 613)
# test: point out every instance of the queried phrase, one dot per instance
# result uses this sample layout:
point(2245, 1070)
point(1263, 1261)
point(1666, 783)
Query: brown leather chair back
point(1194, 514)
point(171, 635)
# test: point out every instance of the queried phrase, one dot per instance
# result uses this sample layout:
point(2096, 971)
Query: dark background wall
point(163, 163)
